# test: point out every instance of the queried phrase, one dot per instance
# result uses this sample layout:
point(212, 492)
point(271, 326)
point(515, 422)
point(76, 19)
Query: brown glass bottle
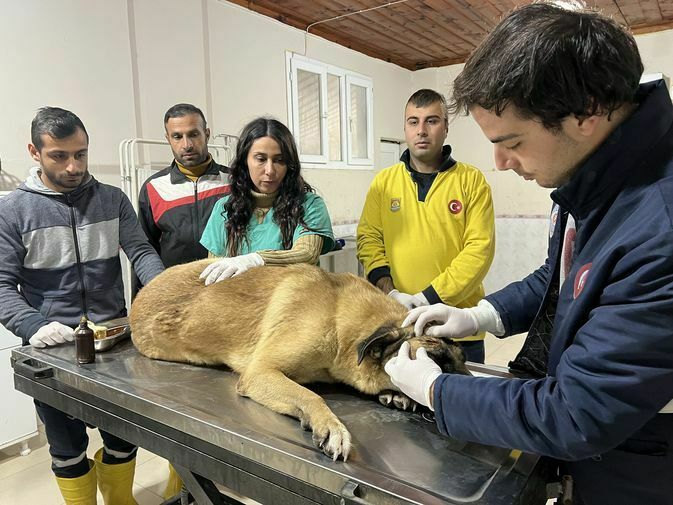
point(84, 343)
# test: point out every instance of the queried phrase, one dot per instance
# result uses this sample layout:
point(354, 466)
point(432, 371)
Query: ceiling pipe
point(341, 16)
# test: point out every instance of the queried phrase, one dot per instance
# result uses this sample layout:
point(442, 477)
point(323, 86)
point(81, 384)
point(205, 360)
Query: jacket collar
point(178, 177)
point(602, 175)
point(34, 184)
point(447, 160)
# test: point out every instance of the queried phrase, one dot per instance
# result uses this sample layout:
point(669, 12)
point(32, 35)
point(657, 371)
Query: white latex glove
point(409, 301)
point(454, 322)
point(414, 377)
point(449, 322)
point(230, 267)
point(52, 334)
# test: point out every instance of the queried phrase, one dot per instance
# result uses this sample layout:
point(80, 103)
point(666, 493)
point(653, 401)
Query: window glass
point(334, 117)
point(358, 124)
point(308, 93)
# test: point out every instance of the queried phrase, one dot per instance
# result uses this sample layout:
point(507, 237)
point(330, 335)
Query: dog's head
point(384, 343)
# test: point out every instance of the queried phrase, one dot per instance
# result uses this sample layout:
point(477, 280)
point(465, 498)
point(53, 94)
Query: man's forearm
point(17, 315)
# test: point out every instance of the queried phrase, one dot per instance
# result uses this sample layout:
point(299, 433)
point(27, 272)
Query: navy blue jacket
point(610, 365)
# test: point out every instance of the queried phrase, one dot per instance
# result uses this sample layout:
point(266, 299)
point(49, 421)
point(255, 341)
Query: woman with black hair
point(272, 216)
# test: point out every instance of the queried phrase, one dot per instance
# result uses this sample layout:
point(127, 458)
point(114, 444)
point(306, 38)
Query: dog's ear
point(383, 342)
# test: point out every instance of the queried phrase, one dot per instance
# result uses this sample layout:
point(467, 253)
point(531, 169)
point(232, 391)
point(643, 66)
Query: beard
point(65, 182)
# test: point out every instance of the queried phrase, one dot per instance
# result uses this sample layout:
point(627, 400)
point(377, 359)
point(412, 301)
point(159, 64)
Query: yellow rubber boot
point(174, 484)
point(80, 490)
point(115, 481)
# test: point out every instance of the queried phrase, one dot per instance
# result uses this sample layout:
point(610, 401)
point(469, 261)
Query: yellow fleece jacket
point(446, 242)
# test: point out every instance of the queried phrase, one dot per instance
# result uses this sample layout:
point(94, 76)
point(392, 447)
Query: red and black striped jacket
point(174, 210)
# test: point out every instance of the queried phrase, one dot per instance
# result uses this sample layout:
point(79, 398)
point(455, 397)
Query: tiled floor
point(27, 480)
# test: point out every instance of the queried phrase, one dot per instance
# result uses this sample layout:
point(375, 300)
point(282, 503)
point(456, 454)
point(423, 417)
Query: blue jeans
point(474, 350)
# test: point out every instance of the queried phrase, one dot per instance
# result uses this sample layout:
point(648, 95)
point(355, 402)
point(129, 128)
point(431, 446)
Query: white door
point(389, 153)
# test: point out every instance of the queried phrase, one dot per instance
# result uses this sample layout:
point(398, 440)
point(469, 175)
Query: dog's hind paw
point(332, 438)
point(398, 400)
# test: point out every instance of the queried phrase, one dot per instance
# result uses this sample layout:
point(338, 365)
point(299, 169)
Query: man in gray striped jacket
point(60, 236)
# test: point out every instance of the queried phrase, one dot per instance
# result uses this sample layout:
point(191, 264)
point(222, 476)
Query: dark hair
point(288, 209)
point(551, 63)
point(56, 122)
point(184, 109)
point(425, 97)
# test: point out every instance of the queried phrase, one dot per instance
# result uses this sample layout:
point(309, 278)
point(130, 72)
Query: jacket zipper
point(195, 214)
point(77, 255)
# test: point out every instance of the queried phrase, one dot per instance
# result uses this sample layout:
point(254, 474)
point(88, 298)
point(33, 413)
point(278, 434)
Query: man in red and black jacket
point(175, 203)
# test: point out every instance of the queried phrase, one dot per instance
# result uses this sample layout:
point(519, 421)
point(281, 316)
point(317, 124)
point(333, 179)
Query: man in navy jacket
point(557, 92)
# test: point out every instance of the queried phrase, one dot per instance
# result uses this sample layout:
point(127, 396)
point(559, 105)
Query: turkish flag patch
point(455, 206)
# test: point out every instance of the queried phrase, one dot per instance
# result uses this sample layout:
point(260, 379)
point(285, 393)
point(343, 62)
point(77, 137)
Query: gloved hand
point(453, 322)
point(53, 333)
point(414, 377)
point(230, 267)
point(409, 301)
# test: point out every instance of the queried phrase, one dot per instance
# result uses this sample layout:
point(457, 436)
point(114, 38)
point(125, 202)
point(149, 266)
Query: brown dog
point(279, 327)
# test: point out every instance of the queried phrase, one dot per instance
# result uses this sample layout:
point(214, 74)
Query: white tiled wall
point(520, 248)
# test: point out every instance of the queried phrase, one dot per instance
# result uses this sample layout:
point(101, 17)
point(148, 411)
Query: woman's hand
point(230, 267)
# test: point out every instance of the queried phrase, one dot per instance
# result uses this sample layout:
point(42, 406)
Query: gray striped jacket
point(62, 251)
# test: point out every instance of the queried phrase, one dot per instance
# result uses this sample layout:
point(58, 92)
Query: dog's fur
point(279, 327)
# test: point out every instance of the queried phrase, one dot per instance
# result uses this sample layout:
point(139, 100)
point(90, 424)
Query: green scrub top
point(266, 235)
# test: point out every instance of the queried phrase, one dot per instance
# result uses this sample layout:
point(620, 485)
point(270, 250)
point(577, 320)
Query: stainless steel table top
point(400, 454)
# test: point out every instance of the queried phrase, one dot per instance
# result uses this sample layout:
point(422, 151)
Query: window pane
point(334, 116)
point(359, 121)
point(308, 92)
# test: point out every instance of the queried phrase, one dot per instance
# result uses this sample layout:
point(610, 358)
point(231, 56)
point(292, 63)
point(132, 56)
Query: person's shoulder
point(14, 195)
point(468, 169)
point(12, 200)
point(221, 168)
point(468, 172)
point(312, 198)
point(391, 171)
point(218, 208)
point(161, 173)
point(389, 175)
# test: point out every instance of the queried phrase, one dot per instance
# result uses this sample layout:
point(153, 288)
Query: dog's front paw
point(332, 438)
point(398, 400)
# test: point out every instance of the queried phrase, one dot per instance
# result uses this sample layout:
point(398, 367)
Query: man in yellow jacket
point(426, 234)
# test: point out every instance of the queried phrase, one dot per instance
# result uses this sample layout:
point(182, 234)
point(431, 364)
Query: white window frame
point(295, 62)
point(341, 74)
point(365, 83)
point(321, 70)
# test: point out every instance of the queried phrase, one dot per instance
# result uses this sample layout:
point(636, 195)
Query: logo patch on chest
point(395, 204)
point(581, 279)
point(455, 206)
